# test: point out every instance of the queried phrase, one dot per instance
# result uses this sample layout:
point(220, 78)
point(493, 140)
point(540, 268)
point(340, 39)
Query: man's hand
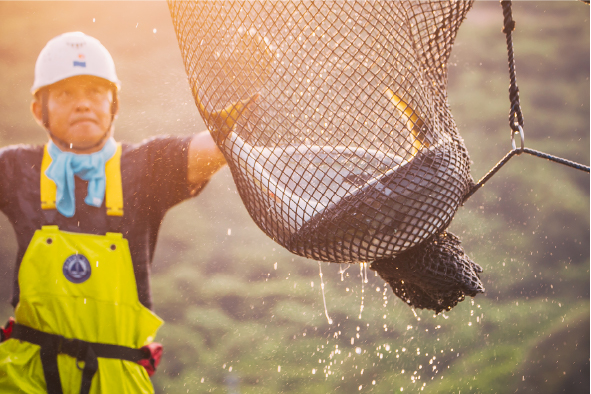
point(205, 159)
point(204, 156)
point(224, 121)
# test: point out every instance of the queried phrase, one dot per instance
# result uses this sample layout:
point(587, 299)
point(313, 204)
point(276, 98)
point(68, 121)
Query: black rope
point(489, 174)
point(518, 151)
point(515, 114)
point(556, 159)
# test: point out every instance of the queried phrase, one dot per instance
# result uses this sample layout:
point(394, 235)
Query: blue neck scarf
point(89, 167)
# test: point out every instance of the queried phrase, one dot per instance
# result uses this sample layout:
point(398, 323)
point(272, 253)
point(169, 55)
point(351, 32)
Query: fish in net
point(333, 118)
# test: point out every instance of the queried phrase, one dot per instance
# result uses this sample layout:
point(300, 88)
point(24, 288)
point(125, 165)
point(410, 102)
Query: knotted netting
point(333, 117)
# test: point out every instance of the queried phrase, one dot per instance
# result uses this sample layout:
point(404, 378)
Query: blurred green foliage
point(245, 316)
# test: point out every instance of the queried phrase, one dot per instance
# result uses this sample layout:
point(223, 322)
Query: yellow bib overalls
point(78, 286)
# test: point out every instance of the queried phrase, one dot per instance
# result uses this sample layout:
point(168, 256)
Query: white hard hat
point(72, 54)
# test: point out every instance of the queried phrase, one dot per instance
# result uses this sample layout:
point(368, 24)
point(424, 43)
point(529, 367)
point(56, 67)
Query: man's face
point(79, 111)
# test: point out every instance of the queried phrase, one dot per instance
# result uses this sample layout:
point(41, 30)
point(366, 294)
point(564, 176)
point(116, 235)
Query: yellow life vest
point(79, 286)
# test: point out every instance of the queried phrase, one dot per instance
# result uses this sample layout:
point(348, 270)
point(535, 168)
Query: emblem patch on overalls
point(77, 268)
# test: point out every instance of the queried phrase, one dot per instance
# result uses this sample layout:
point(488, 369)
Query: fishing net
point(333, 118)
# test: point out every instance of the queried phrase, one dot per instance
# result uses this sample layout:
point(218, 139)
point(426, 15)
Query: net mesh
point(435, 276)
point(333, 117)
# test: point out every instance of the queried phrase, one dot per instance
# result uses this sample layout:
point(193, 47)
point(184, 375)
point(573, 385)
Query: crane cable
point(515, 114)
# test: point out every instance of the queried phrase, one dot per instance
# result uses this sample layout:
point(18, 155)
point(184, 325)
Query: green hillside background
point(245, 316)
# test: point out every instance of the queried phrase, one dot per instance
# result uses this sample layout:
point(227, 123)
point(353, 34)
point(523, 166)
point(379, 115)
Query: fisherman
point(86, 211)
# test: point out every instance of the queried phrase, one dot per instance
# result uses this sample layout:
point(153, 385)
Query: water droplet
point(323, 297)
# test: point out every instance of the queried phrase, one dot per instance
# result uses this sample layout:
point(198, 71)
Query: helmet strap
point(44, 108)
point(45, 118)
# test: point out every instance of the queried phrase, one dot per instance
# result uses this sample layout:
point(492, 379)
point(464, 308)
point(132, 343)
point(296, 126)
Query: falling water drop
point(342, 271)
point(363, 281)
point(323, 297)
